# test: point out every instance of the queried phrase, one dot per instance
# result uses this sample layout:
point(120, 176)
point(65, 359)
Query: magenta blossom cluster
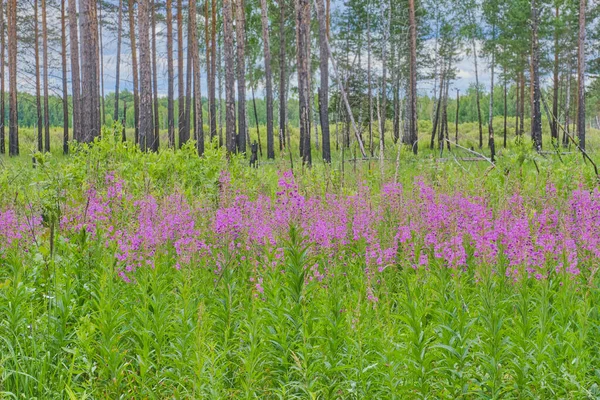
point(18, 228)
point(389, 228)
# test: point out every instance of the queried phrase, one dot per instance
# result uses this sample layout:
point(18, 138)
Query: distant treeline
point(467, 110)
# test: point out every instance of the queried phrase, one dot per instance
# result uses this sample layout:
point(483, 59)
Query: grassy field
point(168, 276)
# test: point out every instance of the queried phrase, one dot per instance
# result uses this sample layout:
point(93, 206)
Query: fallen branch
point(471, 151)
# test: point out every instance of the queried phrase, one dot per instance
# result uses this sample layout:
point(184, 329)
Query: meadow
point(168, 276)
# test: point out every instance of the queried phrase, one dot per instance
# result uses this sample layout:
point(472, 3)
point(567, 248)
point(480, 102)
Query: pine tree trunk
point(581, 77)
point(536, 115)
point(491, 142)
point(180, 76)
point(369, 81)
point(457, 114)
point(188, 80)
point(146, 129)
point(90, 107)
point(396, 89)
point(522, 105)
point(45, 74)
point(75, 70)
point(118, 63)
point(282, 76)
point(2, 79)
point(567, 106)
point(13, 118)
point(230, 127)
point(240, 22)
point(124, 122)
point(324, 89)
point(517, 108)
point(219, 71)
point(556, 81)
point(198, 121)
point(212, 84)
point(477, 95)
point(207, 41)
point(386, 34)
point(413, 124)
point(303, 44)
point(65, 94)
point(134, 67)
point(101, 65)
point(38, 83)
point(436, 116)
point(170, 78)
point(444, 131)
point(156, 137)
point(505, 107)
point(257, 126)
point(268, 79)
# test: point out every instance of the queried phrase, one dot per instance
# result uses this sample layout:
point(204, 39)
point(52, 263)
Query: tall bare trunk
point(13, 118)
point(75, 71)
point(413, 124)
point(65, 94)
point(369, 80)
point(90, 125)
point(491, 141)
point(156, 136)
point(38, 83)
point(213, 72)
point(268, 78)
point(180, 76)
point(303, 45)
point(118, 65)
point(567, 106)
point(555, 78)
point(45, 73)
point(282, 76)
point(198, 121)
point(457, 114)
point(170, 78)
point(581, 76)
point(505, 106)
point(436, 116)
point(207, 42)
point(477, 95)
point(101, 65)
point(386, 35)
point(188, 82)
point(134, 67)
point(146, 128)
point(522, 105)
point(2, 78)
point(396, 96)
point(517, 108)
point(240, 22)
point(230, 127)
point(536, 115)
point(219, 71)
point(324, 90)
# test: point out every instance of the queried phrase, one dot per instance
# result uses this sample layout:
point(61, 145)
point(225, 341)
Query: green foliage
point(70, 327)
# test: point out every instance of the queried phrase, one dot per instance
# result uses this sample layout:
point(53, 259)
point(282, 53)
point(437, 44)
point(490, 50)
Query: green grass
point(71, 328)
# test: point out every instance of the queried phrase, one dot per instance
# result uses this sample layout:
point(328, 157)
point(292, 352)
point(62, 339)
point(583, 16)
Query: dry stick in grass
point(471, 151)
point(343, 93)
point(583, 152)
